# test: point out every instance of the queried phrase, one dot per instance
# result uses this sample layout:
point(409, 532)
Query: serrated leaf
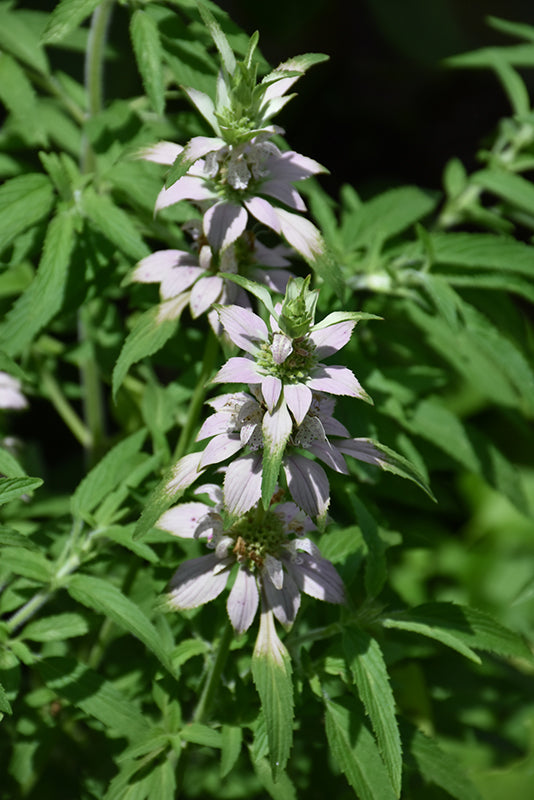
point(114, 223)
point(65, 17)
point(12, 538)
point(86, 689)
point(354, 749)
point(105, 598)
point(219, 38)
point(55, 628)
point(122, 535)
point(271, 672)
point(24, 200)
point(483, 251)
point(31, 564)
point(188, 649)
point(110, 471)
point(232, 738)
point(43, 298)
point(150, 332)
point(385, 216)
point(497, 281)
point(467, 626)
point(375, 562)
point(436, 765)
point(5, 706)
point(149, 53)
point(510, 187)
point(19, 39)
point(18, 96)
point(200, 734)
point(368, 668)
point(11, 488)
point(283, 789)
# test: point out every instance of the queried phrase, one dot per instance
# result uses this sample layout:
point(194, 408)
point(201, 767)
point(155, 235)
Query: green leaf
point(366, 662)
point(510, 187)
point(483, 251)
point(257, 289)
point(498, 281)
point(232, 738)
point(5, 706)
point(271, 672)
point(513, 85)
point(86, 689)
point(219, 38)
point(9, 465)
point(114, 223)
point(519, 55)
point(123, 535)
point(517, 29)
point(385, 216)
point(149, 53)
point(27, 563)
point(43, 298)
point(19, 39)
point(436, 765)
point(461, 628)
point(202, 735)
point(12, 538)
point(11, 488)
point(110, 471)
point(56, 628)
point(375, 562)
point(283, 789)
point(188, 649)
point(23, 201)
point(65, 17)
point(105, 598)
point(150, 332)
point(18, 96)
point(354, 749)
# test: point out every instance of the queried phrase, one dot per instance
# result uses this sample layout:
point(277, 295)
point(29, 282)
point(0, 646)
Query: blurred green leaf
point(66, 16)
point(24, 200)
point(11, 488)
point(18, 38)
point(56, 628)
point(148, 53)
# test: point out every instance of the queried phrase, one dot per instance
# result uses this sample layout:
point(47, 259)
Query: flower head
point(266, 551)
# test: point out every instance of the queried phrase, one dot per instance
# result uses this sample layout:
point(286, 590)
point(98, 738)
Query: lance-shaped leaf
point(366, 662)
point(114, 223)
point(150, 332)
point(461, 628)
point(66, 16)
point(276, 429)
point(148, 53)
point(105, 598)
point(11, 488)
point(271, 671)
point(113, 468)
point(86, 689)
point(221, 42)
point(232, 738)
point(24, 200)
point(355, 751)
point(20, 39)
point(44, 296)
point(257, 289)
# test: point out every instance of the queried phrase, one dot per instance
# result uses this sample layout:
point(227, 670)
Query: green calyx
point(296, 367)
point(254, 539)
point(298, 309)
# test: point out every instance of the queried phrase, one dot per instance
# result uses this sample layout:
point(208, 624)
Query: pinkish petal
point(295, 520)
point(284, 192)
point(183, 520)
point(156, 266)
point(292, 166)
point(205, 292)
point(196, 582)
point(271, 388)
point(317, 577)
point(178, 281)
point(264, 212)
point(242, 484)
point(284, 602)
point(214, 424)
point(301, 234)
point(238, 370)
point(308, 485)
point(229, 403)
point(336, 380)
point(220, 448)
point(272, 256)
point(329, 455)
point(298, 398)
point(276, 429)
point(161, 153)
point(363, 450)
point(200, 146)
point(281, 347)
point(185, 471)
point(243, 601)
point(224, 223)
point(245, 328)
point(330, 340)
point(186, 188)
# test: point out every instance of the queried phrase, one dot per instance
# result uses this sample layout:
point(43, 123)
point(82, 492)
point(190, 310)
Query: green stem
point(214, 677)
point(208, 362)
point(94, 71)
point(93, 403)
point(27, 611)
point(65, 410)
